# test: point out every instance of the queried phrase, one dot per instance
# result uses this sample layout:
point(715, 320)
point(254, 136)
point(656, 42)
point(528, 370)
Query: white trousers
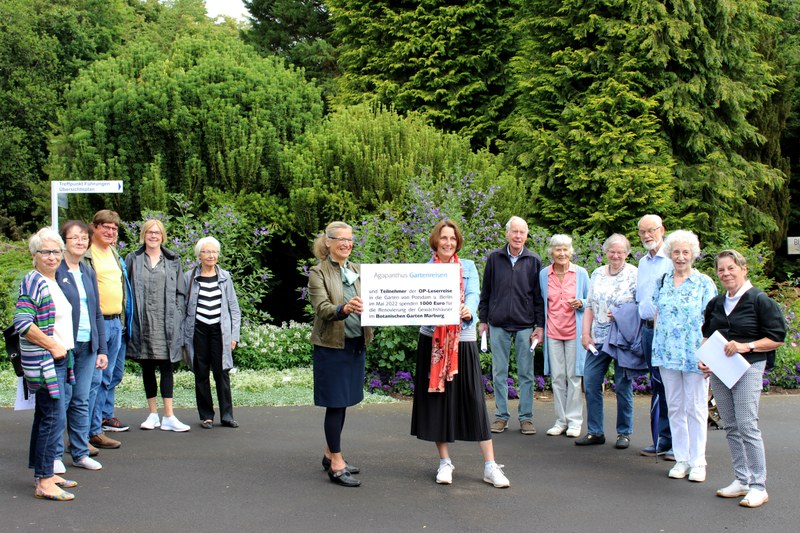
point(687, 398)
point(567, 399)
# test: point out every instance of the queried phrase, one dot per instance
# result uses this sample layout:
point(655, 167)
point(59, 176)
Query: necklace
point(610, 273)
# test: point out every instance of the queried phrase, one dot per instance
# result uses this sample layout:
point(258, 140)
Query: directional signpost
point(71, 187)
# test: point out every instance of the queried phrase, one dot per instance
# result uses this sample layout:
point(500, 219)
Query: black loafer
point(326, 465)
point(590, 439)
point(344, 478)
point(230, 423)
point(206, 424)
point(623, 441)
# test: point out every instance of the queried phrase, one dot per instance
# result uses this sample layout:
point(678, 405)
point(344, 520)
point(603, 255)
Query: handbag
point(11, 338)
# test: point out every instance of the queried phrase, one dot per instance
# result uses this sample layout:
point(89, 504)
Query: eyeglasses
point(108, 227)
point(46, 253)
point(650, 231)
point(78, 238)
point(152, 233)
point(341, 239)
point(209, 252)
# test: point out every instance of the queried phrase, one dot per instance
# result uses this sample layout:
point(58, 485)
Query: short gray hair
point(44, 234)
point(515, 219)
point(559, 239)
point(684, 237)
point(617, 238)
point(202, 242)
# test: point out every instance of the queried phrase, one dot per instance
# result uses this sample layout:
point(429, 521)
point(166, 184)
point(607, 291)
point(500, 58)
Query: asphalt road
point(266, 476)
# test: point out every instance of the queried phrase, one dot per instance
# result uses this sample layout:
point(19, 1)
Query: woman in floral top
point(610, 286)
point(681, 297)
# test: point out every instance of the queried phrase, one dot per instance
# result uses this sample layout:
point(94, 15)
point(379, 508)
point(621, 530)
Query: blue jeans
point(76, 402)
point(501, 352)
point(664, 432)
point(48, 425)
point(593, 374)
point(105, 380)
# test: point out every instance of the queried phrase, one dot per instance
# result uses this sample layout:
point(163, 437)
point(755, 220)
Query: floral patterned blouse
point(607, 291)
point(678, 332)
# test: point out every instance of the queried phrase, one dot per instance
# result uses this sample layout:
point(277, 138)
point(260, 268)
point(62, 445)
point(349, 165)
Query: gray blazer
point(230, 315)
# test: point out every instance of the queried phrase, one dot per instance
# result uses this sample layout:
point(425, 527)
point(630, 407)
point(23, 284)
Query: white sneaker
point(755, 498)
point(734, 490)
point(151, 422)
point(88, 463)
point(697, 474)
point(171, 423)
point(494, 475)
point(58, 467)
point(444, 476)
point(555, 430)
point(680, 470)
point(574, 433)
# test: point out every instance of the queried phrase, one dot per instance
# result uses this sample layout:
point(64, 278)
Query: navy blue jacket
point(511, 297)
point(68, 286)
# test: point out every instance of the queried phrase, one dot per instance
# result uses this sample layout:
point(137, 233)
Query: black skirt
point(458, 413)
point(339, 374)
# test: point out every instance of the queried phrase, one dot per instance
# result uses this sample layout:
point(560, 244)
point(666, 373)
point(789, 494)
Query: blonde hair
point(320, 249)
point(149, 224)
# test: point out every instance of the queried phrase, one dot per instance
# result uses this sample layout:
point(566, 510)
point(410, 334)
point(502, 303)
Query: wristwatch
point(752, 346)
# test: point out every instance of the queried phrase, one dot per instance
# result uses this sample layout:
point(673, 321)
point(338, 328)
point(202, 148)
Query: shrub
point(278, 347)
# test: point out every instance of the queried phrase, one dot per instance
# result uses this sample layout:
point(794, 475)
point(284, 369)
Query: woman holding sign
point(339, 342)
point(448, 392)
point(753, 325)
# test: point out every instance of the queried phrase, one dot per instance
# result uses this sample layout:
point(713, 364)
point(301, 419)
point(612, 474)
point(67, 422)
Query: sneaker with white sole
point(574, 433)
point(494, 475)
point(734, 490)
point(171, 423)
point(556, 430)
point(697, 474)
point(88, 463)
point(444, 476)
point(114, 425)
point(58, 467)
point(151, 422)
point(755, 498)
point(680, 470)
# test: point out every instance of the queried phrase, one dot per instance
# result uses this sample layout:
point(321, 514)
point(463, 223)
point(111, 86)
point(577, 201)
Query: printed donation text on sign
point(424, 294)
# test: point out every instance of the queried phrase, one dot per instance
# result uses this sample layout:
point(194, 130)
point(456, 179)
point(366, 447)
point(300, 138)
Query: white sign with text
point(424, 294)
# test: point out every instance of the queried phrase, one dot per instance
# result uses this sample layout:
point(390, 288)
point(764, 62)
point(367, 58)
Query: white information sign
point(59, 190)
point(793, 245)
point(424, 294)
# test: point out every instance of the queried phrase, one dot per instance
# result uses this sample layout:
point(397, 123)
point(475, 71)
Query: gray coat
point(175, 302)
point(230, 316)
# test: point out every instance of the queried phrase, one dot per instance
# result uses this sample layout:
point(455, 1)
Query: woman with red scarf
point(448, 393)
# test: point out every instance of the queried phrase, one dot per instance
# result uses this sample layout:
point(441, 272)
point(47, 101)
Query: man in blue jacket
point(511, 308)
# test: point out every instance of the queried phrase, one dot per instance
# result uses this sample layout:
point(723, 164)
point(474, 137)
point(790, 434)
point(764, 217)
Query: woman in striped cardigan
point(43, 319)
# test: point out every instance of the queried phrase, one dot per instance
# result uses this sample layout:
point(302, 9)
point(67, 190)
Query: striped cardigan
point(35, 306)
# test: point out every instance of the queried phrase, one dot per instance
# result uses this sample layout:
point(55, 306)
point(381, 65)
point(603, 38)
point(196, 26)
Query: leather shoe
point(230, 423)
point(589, 439)
point(623, 441)
point(342, 477)
point(326, 464)
point(207, 424)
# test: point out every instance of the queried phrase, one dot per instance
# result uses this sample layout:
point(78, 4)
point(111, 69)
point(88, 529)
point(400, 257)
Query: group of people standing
point(82, 311)
point(651, 318)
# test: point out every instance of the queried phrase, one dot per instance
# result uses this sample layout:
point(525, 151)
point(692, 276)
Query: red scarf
point(444, 350)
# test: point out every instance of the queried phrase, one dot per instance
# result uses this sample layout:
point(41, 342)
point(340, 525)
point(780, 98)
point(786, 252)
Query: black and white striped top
point(209, 300)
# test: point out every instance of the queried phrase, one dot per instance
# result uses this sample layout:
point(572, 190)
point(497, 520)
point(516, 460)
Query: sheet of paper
point(727, 369)
point(21, 403)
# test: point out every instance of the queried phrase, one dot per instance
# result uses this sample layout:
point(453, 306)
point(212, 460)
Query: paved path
point(266, 476)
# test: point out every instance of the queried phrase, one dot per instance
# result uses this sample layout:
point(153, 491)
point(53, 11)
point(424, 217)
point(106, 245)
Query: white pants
point(567, 399)
point(687, 398)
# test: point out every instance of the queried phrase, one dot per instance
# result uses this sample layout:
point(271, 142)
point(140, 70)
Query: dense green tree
point(43, 45)
point(445, 59)
point(200, 110)
point(361, 160)
point(298, 30)
point(650, 99)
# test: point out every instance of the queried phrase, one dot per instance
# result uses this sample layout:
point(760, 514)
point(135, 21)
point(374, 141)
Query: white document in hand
point(727, 369)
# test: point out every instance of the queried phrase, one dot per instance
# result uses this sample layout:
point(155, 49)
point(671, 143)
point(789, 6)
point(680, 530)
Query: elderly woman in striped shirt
point(211, 332)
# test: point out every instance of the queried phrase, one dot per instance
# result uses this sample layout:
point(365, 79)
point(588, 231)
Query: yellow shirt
point(109, 280)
